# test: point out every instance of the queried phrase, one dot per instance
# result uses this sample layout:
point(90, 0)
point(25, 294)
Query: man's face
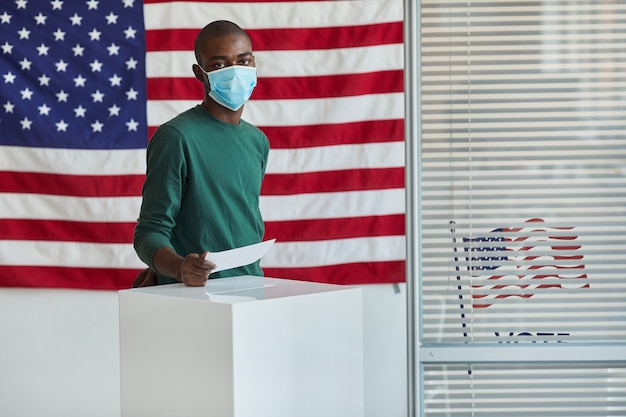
point(225, 51)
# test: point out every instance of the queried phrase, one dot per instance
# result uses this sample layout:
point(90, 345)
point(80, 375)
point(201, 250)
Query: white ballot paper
point(244, 255)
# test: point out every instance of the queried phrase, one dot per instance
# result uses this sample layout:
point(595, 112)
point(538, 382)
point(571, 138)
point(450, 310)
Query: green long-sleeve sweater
point(202, 188)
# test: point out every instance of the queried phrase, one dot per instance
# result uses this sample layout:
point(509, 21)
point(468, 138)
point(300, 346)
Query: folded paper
point(244, 255)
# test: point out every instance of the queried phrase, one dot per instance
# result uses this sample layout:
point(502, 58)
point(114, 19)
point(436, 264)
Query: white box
point(242, 347)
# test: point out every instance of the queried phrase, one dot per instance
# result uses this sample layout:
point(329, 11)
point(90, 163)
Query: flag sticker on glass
point(73, 74)
point(524, 261)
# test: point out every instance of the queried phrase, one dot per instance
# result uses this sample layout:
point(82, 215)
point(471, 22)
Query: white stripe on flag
point(268, 15)
point(56, 207)
point(298, 112)
point(312, 63)
point(70, 254)
point(273, 208)
point(309, 63)
point(336, 157)
point(332, 205)
point(291, 254)
point(65, 161)
point(335, 252)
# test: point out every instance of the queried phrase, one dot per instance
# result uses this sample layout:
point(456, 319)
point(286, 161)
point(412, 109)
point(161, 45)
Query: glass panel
point(529, 390)
point(523, 122)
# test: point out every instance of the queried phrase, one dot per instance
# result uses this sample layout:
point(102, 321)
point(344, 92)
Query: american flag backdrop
point(524, 261)
point(85, 84)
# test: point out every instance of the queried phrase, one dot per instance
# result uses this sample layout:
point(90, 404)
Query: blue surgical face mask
point(232, 86)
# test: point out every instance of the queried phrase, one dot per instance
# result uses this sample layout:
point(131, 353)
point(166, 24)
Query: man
point(204, 170)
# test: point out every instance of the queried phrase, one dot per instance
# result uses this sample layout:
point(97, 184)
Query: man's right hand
point(194, 270)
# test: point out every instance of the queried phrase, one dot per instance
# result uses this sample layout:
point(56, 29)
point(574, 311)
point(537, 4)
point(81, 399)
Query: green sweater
point(202, 188)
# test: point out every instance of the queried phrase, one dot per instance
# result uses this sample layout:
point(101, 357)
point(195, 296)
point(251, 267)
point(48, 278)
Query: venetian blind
point(523, 194)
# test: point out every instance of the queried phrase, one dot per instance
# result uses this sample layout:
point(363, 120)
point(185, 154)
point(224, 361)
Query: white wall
point(59, 352)
point(385, 350)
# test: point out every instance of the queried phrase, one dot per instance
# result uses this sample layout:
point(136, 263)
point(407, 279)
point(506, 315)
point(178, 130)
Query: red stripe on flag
point(288, 39)
point(344, 85)
point(333, 181)
point(346, 274)
point(230, 1)
point(72, 185)
point(370, 131)
point(279, 88)
point(340, 228)
point(174, 88)
point(66, 230)
point(66, 277)
point(116, 279)
point(327, 37)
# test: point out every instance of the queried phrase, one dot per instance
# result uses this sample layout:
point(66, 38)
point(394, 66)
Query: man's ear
point(198, 72)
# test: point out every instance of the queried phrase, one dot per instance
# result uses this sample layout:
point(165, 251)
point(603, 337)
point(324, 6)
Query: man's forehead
point(226, 41)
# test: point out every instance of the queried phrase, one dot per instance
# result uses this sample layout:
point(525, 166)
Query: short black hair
point(215, 30)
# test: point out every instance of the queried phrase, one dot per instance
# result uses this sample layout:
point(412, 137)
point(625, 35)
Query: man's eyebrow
point(242, 55)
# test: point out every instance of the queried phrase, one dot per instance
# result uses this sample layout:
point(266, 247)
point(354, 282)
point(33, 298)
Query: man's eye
point(219, 65)
point(244, 62)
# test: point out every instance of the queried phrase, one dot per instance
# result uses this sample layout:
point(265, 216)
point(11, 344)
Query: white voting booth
point(242, 347)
